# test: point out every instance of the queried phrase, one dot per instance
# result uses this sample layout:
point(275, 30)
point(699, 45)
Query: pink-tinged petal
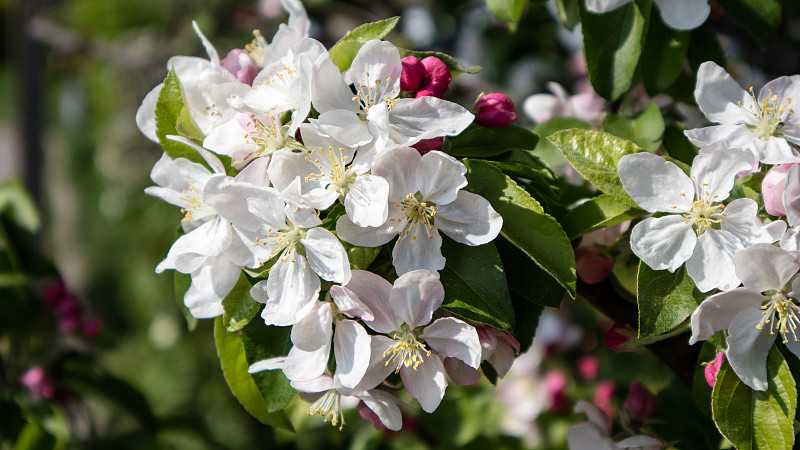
point(656, 184)
point(315, 329)
point(640, 401)
point(748, 348)
point(592, 265)
point(711, 264)
point(469, 219)
point(773, 187)
point(604, 6)
point(289, 292)
point(267, 364)
point(385, 406)
point(456, 338)
point(349, 304)
point(373, 291)
point(304, 366)
point(366, 202)
point(414, 298)
point(425, 118)
point(241, 65)
point(351, 348)
point(543, 107)
point(504, 354)
point(791, 196)
point(146, 114)
point(399, 167)
point(440, 177)
point(718, 96)
point(718, 311)
point(764, 267)
point(664, 242)
point(714, 170)
point(229, 138)
point(427, 383)
point(378, 370)
point(640, 442)
point(419, 248)
point(460, 373)
point(684, 15)
point(596, 416)
point(326, 256)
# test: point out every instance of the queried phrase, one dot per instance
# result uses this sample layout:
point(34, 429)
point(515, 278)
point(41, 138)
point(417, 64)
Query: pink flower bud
point(429, 77)
point(241, 65)
point(588, 367)
point(412, 74)
point(494, 111)
point(592, 266)
point(53, 293)
point(91, 328)
point(603, 393)
point(426, 145)
point(555, 383)
point(640, 401)
point(712, 369)
point(772, 188)
point(619, 338)
point(36, 381)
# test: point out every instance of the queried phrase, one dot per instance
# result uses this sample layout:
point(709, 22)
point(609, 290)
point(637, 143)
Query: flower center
point(704, 213)
point(407, 351)
point(367, 95)
point(332, 164)
point(770, 115)
point(286, 242)
point(416, 211)
point(776, 302)
point(194, 206)
point(329, 407)
point(268, 137)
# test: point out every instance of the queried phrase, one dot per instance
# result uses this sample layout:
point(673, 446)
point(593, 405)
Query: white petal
point(748, 348)
point(470, 219)
point(596, 416)
point(664, 242)
point(711, 265)
point(366, 202)
point(378, 370)
point(367, 236)
point(377, 68)
point(718, 94)
point(329, 90)
point(373, 291)
point(440, 177)
point(320, 384)
point(426, 117)
point(641, 442)
point(765, 267)
point(291, 291)
point(655, 184)
point(427, 383)
point(715, 168)
point(399, 167)
point(304, 366)
point(326, 255)
point(419, 248)
point(315, 329)
point(255, 173)
point(210, 158)
point(740, 220)
point(791, 195)
point(351, 347)
point(776, 150)
point(202, 305)
point(456, 338)
point(717, 312)
point(586, 436)
point(604, 6)
point(460, 373)
point(384, 405)
point(230, 138)
point(344, 126)
point(542, 107)
point(349, 303)
point(684, 15)
point(267, 364)
point(414, 298)
point(146, 114)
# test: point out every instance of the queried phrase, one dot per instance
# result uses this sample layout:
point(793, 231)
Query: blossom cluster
point(298, 163)
point(745, 249)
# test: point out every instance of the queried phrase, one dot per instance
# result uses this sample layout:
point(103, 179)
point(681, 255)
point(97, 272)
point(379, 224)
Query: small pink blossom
point(588, 367)
point(772, 188)
point(36, 381)
point(494, 111)
point(712, 369)
point(603, 393)
point(556, 386)
point(241, 65)
point(640, 401)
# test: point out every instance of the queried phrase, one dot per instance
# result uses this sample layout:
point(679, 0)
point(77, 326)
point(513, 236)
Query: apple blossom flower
point(595, 433)
point(415, 345)
point(765, 125)
point(375, 115)
point(425, 196)
point(494, 111)
point(677, 14)
point(754, 314)
point(697, 229)
point(585, 106)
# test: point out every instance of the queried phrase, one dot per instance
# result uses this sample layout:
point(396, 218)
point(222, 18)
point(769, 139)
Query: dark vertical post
point(27, 53)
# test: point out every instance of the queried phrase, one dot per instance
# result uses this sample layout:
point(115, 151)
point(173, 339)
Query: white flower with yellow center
point(413, 346)
point(757, 313)
point(766, 125)
point(697, 228)
point(425, 197)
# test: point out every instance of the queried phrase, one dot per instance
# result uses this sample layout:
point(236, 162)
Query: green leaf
point(34, 437)
point(360, 257)
point(665, 299)
point(678, 421)
point(452, 64)
point(526, 279)
point(475, 284)
point(595, 155)
point(508, 11)
point(599, 212)
point(262, 342)
point(344, 51)
point(612, 43)
point(525, 224)
point(537, 181)
point(230, 350)
point(482, 142)
point(527, 316)
point(568, 12)
point(18, 205)
point(645, 130)
point(754, 419)
point(662, 57)
point(169, 107)
point(238, 306)
point(677, 145)
point(761, 18)
point(546, 149)
point(186, 127)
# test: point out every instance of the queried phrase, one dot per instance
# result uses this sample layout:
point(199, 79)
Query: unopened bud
point(640, 401)
point(494, 111)
point(620, 338)
point(241, 65)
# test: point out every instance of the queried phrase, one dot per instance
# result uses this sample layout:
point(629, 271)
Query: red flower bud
point(494, 111)
point(429, 77)
point(640, 401)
